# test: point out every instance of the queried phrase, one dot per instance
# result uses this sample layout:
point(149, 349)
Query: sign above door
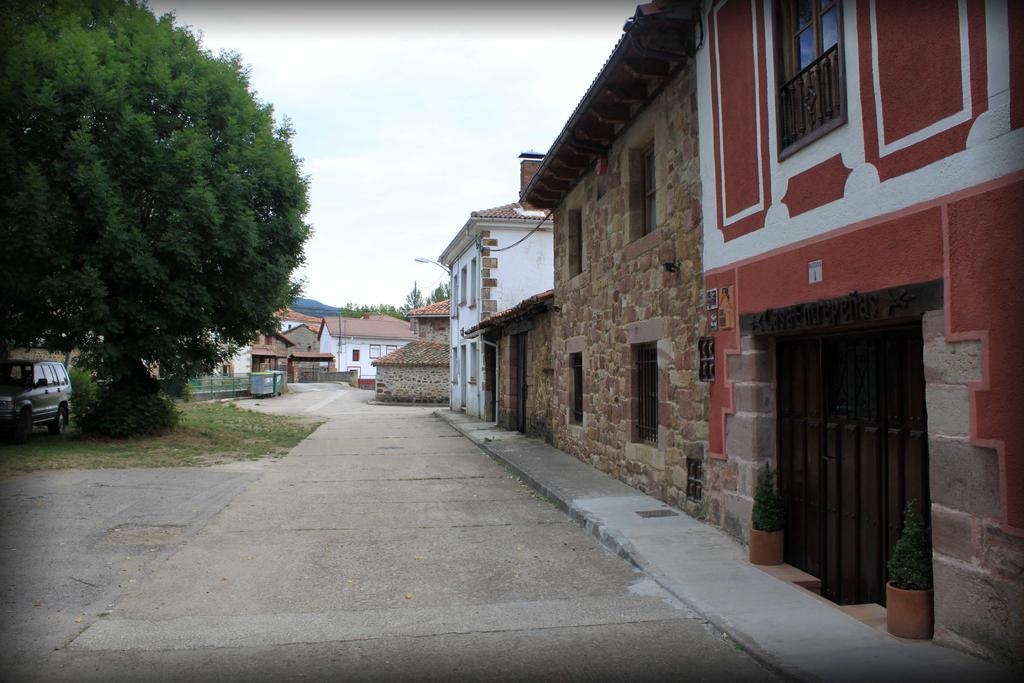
point(856, 307)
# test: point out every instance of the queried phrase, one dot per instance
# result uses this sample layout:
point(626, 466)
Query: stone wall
point(412, 384)
point(749, 437)
point(540, 370)
point(433, 329)
point(979, 568)
point(304, 338)
point(625, 296)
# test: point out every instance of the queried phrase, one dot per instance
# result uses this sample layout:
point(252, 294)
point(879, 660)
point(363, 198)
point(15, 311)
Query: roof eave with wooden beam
point(657, 41)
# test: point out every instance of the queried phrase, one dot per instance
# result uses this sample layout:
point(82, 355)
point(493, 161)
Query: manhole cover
point(657, 513)
point(143, 535)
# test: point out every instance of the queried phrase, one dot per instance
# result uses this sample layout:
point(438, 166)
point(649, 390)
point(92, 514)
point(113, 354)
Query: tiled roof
point(438, 308)
point(417, 353)
point(382, 326)
point(289, 314)
point(666, 23)
point(311, 355)
point(514, 211)
point(265, 351)
point(537, 303)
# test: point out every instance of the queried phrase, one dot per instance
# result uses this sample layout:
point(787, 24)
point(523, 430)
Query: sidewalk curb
point(614, 541)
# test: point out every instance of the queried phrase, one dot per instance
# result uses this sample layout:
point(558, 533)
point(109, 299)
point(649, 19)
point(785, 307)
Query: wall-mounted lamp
point(671, 266)
point(423, 259)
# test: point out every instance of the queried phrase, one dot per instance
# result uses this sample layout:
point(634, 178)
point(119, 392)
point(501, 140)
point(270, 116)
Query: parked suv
point(31, 393)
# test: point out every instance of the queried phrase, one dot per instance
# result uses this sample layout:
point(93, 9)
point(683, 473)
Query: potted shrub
point(910, 610)
point(766, 529)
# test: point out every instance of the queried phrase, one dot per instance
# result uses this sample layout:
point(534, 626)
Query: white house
point(357, 342)
point(500, 257)
point(289, 319)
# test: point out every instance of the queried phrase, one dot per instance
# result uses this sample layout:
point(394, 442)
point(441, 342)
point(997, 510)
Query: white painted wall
point(330, 344)
point(526, 269)
point(241, 362)
point(523, 270)
point(992, 151)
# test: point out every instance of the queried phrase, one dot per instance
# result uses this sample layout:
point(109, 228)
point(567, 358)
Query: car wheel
point(23, 427)
point(59, 423)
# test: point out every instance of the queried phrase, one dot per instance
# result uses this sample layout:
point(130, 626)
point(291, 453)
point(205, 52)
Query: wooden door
point(852, 451)
point(521, 389)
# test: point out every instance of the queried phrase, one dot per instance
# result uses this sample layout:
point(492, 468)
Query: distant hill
point(314, 307)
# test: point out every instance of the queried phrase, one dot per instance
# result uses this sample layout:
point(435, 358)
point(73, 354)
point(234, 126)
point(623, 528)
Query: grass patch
point(208, 434)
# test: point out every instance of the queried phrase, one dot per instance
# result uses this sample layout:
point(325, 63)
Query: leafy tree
point(152, 212)
point(413, 299)
point(911, 565)
point(441, 293)
point(768, 513)
point(351, 310)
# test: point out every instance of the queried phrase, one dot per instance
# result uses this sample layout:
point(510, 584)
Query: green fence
point(219, 386)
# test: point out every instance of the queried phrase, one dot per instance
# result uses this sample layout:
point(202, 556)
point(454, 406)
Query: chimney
point(529, 165)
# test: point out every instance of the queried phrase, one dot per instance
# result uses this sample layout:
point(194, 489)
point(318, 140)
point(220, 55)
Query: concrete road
point(385, 546)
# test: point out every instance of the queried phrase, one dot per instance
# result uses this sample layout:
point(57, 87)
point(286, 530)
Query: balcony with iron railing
point(811, 102)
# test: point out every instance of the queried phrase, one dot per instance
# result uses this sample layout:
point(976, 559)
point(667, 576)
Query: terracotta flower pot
point(766, 547)
point(909, 614)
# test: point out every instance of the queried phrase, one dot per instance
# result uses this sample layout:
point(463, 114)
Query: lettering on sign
point(854, 308)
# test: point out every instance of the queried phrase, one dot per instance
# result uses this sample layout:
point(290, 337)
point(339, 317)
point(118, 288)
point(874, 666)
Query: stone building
point(305, 360)
point(431, 322)
point(623, 179)
point(270, 352)
point(523, 374)
point(415, 373)
point(304, 337)
point(801, 259)
point(863, 211)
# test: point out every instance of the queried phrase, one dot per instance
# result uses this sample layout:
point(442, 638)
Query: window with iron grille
point(577, 387)
point(647, 393)
point(694, 480)
point(811, 94)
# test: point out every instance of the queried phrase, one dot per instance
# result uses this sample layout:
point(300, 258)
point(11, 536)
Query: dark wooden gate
point(852, 451)
point(521, 393)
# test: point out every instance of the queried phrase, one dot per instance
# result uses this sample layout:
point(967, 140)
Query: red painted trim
point(975, 284)
point(1015, 22)
point(816, 186)
point(1001, 324)
point(882, 218)
point(940, 145)
point(754, 221)
point(727, 344)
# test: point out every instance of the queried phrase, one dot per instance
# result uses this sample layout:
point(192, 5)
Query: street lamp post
point(423, 259)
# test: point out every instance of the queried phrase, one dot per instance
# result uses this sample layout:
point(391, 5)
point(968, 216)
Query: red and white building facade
point(862, 165)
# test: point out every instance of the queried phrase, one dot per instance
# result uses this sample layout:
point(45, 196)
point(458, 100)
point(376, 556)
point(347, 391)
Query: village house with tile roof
point(431, 322)
point(356, 342)
point(501, 256)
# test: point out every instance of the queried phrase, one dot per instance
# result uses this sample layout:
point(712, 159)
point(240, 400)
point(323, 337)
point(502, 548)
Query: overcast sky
point(408, 115)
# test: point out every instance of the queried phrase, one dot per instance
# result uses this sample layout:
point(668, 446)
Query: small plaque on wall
point(725, 309)
point(706, 359)
point(712, 299)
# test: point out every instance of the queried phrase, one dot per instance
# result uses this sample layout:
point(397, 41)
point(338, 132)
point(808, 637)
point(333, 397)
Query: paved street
point(386, 545)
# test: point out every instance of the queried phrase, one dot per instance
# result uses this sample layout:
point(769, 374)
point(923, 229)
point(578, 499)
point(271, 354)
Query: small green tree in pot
point(910, 611)
point(767, 522)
